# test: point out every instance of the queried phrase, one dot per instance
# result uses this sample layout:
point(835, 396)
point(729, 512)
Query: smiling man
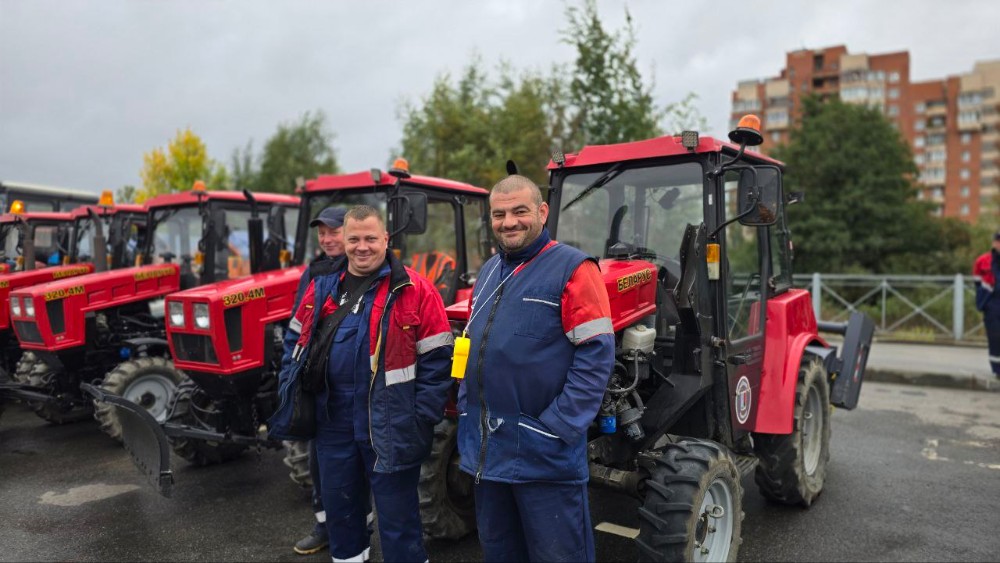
point(376, 346)
point(541, 352)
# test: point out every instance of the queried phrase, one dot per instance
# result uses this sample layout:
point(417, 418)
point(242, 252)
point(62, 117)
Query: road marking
point(87, 493)
point(608, 527)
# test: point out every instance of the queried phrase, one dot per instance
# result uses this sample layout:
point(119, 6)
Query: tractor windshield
point(51, 243)
point(85, 239)
point(639, 211)
point(344, 200)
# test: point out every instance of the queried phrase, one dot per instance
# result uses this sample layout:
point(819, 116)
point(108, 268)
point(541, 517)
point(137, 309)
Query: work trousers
point(991, 318)
point(347, 472)
point(534, 522)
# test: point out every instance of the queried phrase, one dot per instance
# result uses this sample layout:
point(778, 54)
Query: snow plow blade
point(144, 440)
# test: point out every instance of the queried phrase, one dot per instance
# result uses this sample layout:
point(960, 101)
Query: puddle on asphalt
point(87, 493)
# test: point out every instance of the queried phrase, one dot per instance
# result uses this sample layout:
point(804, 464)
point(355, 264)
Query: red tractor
point(52, 246)
point(720, 371)
point(109, 328)
point(231, 352)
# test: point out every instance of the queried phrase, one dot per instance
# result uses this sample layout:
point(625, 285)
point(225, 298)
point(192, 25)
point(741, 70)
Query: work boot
point(314, 542)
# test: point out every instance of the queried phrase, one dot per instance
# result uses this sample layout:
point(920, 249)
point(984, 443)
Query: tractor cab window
point(50, 244)
point(742, 271)
point(637, 212)
point(781, 254)
point(479, 244)
point(177, 234)
point(344, 200)
point(433, 254)
point(10, 237)
point(125, 237)
point(85, 239)
point(279, 233)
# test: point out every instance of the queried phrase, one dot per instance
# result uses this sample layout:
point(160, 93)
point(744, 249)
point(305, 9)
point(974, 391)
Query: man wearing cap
point(987, 267)
point(329, 225)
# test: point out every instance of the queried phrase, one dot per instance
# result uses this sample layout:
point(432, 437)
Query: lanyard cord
point(490, 296)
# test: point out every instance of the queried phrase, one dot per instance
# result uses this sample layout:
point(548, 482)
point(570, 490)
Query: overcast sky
point(86, 87)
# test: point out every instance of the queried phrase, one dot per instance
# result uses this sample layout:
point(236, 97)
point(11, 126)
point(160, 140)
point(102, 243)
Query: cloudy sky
point(88, 86)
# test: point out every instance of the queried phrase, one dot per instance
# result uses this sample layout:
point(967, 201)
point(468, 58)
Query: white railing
point(937, 308)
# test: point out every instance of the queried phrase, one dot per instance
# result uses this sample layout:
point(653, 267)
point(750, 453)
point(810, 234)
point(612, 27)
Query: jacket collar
point(529, 251)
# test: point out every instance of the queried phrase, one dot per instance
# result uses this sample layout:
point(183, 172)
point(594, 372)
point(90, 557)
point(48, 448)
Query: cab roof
point(650, 148)
point(37, 216)
point(83, 210)
point(189, 197)
point(365, 180)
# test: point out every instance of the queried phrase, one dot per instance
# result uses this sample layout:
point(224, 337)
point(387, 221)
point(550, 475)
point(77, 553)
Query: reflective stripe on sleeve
point(296, 325)
point(434, 341)
point(401, 375)
point(590, 329)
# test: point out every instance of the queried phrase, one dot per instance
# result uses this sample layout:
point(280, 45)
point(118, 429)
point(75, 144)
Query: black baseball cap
point(996, 235)
point(332, 217)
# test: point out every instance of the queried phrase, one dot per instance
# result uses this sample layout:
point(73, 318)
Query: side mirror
point(758, 193)
point(411, 213)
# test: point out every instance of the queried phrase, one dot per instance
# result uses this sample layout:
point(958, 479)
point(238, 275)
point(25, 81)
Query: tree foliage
point(466, 129)
point(860, 212)
point(177, 167)
point(126, 194)
point(300, 149)
point(607, 98)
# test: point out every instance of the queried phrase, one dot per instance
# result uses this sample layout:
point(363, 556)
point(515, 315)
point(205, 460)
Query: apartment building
point(952, 124)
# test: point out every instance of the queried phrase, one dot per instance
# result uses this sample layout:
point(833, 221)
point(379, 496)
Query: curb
point(970, 382)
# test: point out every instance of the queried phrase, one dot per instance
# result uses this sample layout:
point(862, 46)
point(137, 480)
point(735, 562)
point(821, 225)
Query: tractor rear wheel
point(194, 408)
point(792, 468)
point(297, 459)
point(33, 371)
point(693, 509)
point(447, 506)
point(148, 382)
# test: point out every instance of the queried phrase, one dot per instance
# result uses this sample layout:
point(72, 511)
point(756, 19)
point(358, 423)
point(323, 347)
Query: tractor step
point(745, 463)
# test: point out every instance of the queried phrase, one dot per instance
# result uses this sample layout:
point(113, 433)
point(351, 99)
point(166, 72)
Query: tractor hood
point(216, 328)
point(17, 280)
point(60, 308)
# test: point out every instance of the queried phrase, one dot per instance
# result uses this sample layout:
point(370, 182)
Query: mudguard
point(144, 440)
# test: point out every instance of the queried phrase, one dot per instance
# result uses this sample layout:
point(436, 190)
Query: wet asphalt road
point(914, 475)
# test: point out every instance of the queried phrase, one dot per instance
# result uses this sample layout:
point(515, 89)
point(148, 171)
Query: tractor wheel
point(193, 408)
point(792, 467)
point(33, 371)
point(297, 459)
point(693, 508)
point(148, 382)
point(447, 506)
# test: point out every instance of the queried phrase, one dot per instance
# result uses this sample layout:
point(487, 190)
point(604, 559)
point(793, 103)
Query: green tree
point(243, 171)
point(304, 148)
point(125, 194)
point(860, 211)
point(177, 167)
point(608, 100)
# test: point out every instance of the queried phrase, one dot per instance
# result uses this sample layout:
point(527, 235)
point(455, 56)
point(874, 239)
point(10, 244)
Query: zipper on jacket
point(483, 413)
point(378, 350)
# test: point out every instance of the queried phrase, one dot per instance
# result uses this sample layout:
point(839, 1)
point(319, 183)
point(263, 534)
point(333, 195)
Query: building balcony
point(936, 109)
point(969, 125)
point(990, 173)
point(990, 156)
point(990, 119)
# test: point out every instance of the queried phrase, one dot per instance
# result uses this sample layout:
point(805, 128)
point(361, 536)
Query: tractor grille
point(234, 328)
point(28, 332)
point(194, 348)
point(57, 318)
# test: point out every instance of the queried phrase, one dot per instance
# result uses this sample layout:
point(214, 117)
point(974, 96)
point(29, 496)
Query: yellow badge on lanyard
point(461, 358)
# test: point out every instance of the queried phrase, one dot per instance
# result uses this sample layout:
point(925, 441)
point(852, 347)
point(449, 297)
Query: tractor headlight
point(176, 313)
point(15, 306)
point(201, 315)
point(29, 307)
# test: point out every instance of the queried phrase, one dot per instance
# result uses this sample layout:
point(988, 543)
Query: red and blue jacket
point(541, 352)
point(409, 348)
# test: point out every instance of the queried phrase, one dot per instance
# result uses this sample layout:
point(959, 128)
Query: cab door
point(745, 299)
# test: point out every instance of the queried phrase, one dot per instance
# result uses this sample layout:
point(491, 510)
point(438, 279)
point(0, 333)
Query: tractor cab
point(437, 227)
point(108, 235)
point(31, 240)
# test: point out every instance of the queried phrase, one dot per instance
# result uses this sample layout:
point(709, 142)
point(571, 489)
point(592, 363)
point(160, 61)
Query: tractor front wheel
point(447, 507)
point(32, 370)
point(192, 407)
point(148, 382)
point(693, 509)
point(792, 468)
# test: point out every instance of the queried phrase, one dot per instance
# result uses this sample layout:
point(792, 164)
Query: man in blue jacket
point(329, 225)
point(542, 349)
point(379, 380)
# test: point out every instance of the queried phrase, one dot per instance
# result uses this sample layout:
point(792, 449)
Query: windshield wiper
point(600, 181)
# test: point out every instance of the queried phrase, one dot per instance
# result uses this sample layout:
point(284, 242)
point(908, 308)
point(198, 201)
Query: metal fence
point(919, 308)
